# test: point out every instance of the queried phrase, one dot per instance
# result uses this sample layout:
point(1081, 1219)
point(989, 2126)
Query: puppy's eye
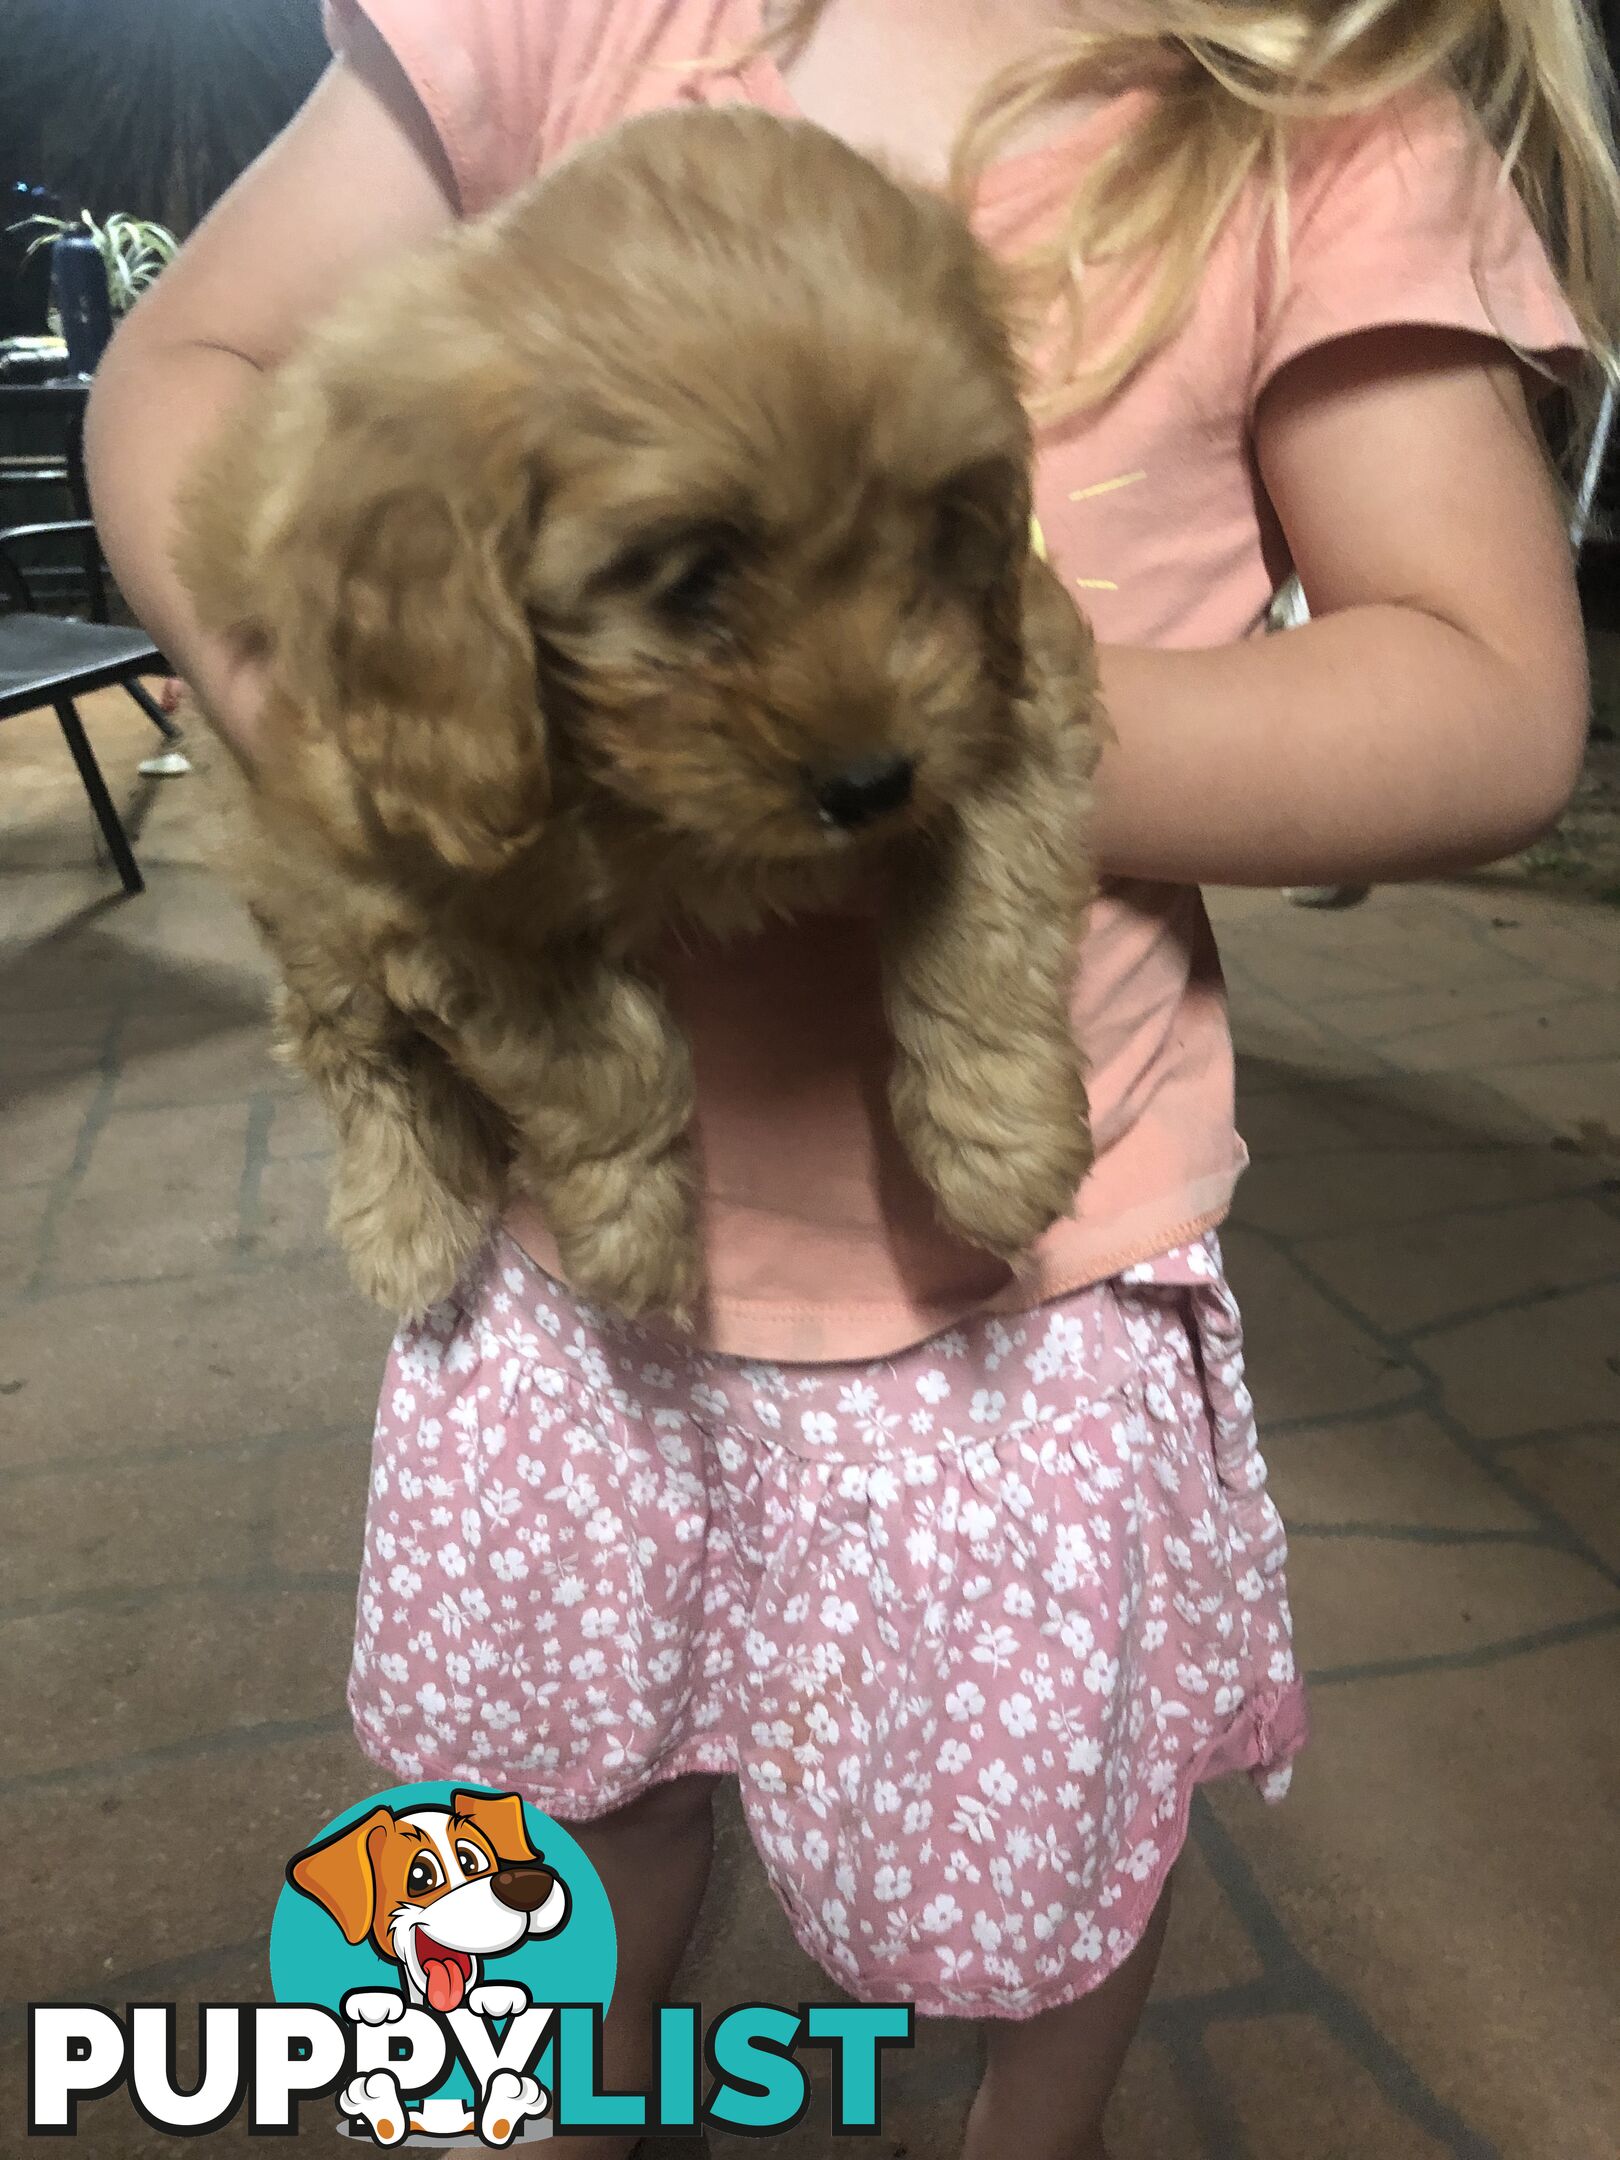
point(425, 1875)
point(681, 576)
point(473, 1860)
point(696, 591)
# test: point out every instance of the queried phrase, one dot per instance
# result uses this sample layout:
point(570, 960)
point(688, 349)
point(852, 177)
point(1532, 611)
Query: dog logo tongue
point(446, 1973)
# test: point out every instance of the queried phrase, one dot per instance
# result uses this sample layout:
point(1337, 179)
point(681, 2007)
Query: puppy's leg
point(419, 1164)
point(596, 1083)
point(987, 1090)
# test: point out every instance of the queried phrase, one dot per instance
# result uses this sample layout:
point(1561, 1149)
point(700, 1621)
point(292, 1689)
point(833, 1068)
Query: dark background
point(147, 106)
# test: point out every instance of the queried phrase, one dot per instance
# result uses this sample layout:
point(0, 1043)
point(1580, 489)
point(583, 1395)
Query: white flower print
point(963, 1643)
point(997, 1783)
point(1101, 1673)
point(1017, 1713)
point(964, 1702)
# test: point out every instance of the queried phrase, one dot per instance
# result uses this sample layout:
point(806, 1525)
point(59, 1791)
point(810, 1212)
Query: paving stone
point(1347, 1192)
point(143, 1368)
point(198, 1054)
point(197, 1876)
point(1560, 941)
point(1550, 1030)
point(92, 1530)
point(1295, 2089)
point(1427, 1861)
point(1404, 1021)
point(1150, 2117)
point(1413, 1274)
point(1434, 1110)
point(159, 1197)
point(1370, 1601)
point(23, 1212)
point(41, 1126)
point(42, 1046)
point(1285, 1124)
point(299, 1127)
point(1550, 1364)
point(1398, 1469)
point(1577, 1101)
point(174, 1669)
point(289, 1217)
point(1305, 1358)
point(1580, 1477)
point(1314, 972)
point(318, 1502)
point(1268, 1029)
point(1205, 1945)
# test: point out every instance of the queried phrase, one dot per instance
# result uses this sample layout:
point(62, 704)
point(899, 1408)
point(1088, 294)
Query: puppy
point(654, 549)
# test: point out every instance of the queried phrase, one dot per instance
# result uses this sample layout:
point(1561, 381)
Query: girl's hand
point(229, 682)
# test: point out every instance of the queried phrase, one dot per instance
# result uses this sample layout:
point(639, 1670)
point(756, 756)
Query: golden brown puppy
point(658, 546)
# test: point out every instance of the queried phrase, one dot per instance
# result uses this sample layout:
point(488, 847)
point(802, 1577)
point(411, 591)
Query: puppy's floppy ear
point(500, 1818)
point(396, 603)
point(339, 1874)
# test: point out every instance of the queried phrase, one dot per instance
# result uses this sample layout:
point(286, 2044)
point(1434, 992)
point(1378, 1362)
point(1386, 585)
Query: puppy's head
point(701, 466)
point(776, 582)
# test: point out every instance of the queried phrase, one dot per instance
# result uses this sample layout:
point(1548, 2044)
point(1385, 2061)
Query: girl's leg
point(653, 1857)
point(1047, 2079)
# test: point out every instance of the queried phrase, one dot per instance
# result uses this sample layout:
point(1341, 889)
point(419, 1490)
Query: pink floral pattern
point(968, 1623)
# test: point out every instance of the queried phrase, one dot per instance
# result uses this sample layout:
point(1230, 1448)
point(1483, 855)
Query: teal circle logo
point(443, 1894)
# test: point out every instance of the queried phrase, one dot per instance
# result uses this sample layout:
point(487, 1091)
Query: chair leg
point(154, 712)
point(100, 801)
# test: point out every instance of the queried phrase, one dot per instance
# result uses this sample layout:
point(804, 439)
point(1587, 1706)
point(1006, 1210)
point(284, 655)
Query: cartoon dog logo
point(436, 1891)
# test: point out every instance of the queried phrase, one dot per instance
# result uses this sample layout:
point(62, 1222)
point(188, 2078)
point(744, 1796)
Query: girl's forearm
point(1374, 744)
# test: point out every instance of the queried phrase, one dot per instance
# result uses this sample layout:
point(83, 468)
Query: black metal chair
point(54, 660)
point(61, 405)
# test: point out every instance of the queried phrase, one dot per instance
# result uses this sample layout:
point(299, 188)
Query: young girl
point(968, 1582)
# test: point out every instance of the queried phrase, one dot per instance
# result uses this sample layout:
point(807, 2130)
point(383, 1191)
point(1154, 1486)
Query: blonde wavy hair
point(1236, 82)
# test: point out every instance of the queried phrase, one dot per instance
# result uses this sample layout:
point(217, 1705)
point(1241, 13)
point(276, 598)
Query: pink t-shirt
point(821, 1241)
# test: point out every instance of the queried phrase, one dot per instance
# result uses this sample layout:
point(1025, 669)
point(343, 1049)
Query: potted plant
point(97, 273)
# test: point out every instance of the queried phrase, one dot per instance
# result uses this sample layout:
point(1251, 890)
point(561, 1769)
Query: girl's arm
point(1433, 713)
point(357, 174)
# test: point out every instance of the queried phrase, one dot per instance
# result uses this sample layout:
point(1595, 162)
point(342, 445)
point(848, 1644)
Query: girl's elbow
point(1548, 755)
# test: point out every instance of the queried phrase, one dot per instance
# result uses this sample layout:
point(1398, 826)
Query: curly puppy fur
point(657, 547)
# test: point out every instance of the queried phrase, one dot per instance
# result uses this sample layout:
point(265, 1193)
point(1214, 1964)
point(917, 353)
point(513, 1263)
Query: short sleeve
point(485, 72)
point(1404, 216)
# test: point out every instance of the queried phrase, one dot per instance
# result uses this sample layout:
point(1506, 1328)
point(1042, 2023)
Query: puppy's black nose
point(868, 789)
point(523, 1888)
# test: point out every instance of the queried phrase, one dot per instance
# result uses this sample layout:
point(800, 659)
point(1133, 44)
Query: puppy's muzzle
point(871, 788)
point(523, 1889)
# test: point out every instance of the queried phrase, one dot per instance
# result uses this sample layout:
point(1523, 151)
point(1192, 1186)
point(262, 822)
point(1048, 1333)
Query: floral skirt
point(968, 1623)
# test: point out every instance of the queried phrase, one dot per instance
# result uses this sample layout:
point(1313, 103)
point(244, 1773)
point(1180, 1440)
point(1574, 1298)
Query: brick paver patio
point(1414, 1957)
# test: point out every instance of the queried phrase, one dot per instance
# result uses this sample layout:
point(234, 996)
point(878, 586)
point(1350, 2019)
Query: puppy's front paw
point(407, 1248)
point(1004, 1164)
point(626, 1236)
